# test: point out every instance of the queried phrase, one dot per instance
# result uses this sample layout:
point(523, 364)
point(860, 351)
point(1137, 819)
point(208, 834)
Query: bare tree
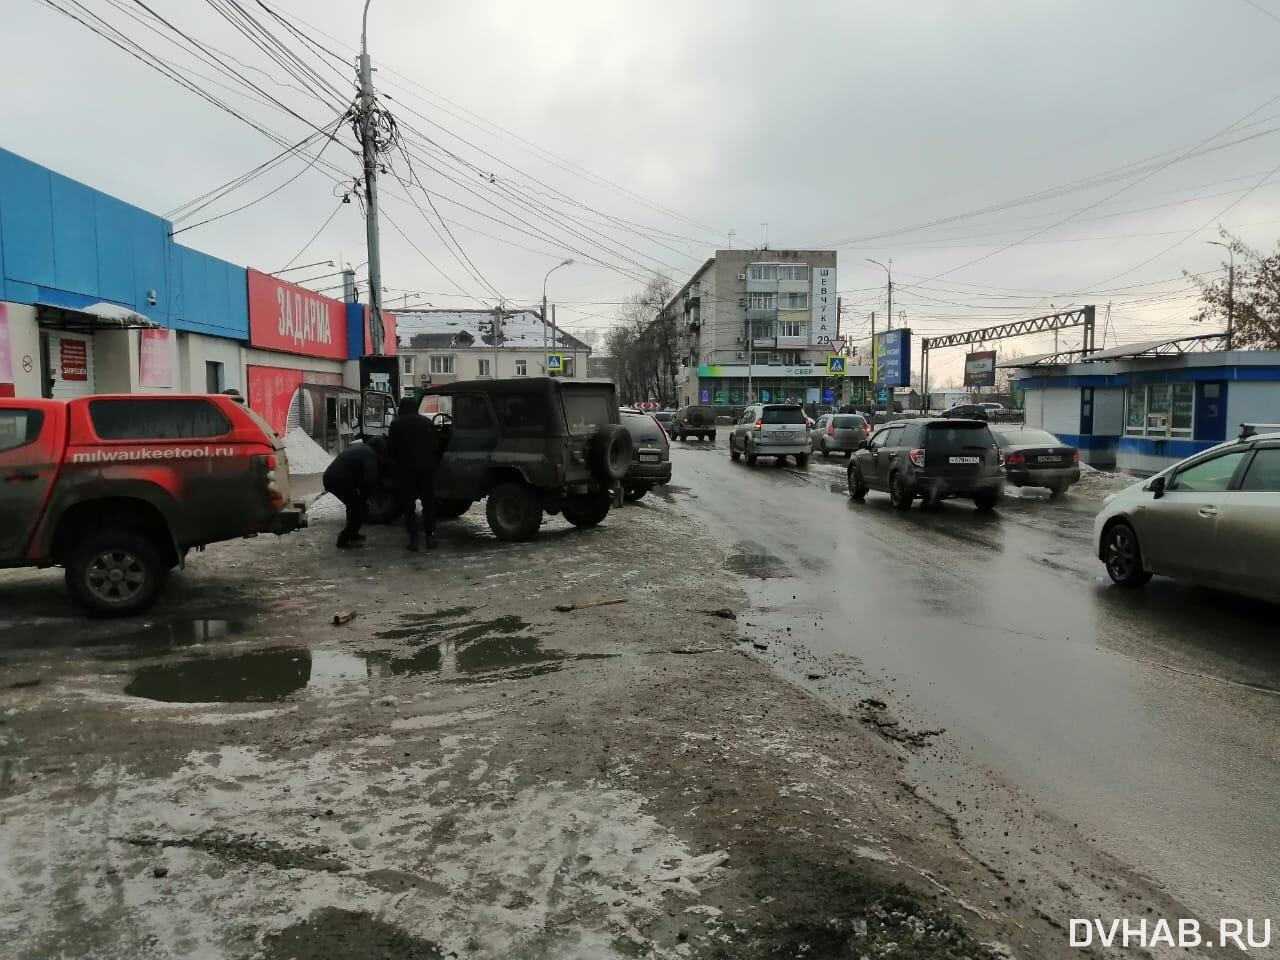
point(644, 344)
point(1254, 298)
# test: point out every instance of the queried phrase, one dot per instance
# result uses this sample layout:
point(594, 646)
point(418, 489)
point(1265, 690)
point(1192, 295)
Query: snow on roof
point(520, 329)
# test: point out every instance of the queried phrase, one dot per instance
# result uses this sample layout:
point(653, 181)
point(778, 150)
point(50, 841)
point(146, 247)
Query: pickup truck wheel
point(514, 511)
point(114, 573)
point(448, 509)
point(586, 510)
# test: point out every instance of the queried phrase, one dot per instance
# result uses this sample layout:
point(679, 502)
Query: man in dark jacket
point(415, 448)
point(351, 478)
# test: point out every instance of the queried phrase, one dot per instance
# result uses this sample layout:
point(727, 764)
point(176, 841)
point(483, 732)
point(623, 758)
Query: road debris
point(569, 607)
point(723, 613)
point(343, 616)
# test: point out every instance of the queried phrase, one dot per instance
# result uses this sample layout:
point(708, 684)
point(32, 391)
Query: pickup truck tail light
point(268, 466)
point(758, 424)
point(917, 457)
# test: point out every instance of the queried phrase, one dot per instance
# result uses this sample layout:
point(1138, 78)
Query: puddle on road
point(469, 652)
point(258, 677)
point(333, 932)
point(758, 566)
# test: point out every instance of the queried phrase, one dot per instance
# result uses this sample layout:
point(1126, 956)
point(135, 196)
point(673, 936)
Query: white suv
point(1212, 519)
point(771, 430)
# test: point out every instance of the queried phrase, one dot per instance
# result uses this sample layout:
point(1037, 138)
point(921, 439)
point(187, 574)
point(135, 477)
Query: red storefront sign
point(292, 319)
point(154, 367)
point(74, 359)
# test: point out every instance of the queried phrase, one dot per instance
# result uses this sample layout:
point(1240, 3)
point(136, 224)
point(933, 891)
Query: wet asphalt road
point(1148, 720)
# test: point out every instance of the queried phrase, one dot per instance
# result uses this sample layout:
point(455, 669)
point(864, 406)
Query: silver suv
point(771, 430)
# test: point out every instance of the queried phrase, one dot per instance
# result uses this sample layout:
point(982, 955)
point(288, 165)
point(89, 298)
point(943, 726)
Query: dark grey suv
point(695, 421)
point(933, 459)
point(529, 446)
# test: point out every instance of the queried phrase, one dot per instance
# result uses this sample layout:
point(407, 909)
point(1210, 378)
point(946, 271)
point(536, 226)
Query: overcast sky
point(836, 123)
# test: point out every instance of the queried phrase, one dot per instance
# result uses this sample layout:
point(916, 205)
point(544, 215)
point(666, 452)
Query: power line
point(306, 246)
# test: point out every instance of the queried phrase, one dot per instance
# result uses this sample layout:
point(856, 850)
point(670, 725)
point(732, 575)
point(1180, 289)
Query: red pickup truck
point(117, 489)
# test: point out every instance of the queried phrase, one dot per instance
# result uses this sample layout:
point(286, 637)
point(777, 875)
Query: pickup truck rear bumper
point(291, 518)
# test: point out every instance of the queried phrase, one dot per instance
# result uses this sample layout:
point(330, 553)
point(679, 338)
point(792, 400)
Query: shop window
point(157, 419)
point(1160, 410)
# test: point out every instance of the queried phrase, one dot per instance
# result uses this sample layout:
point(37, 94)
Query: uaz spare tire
point(611, 452)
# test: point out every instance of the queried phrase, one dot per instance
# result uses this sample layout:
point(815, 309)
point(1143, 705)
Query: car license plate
point(650, 457)
point(778, 435)
point(964, 460)
point(1048, 459)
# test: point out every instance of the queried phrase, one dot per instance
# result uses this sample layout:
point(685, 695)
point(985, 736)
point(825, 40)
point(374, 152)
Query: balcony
point(758, 313)
point(763, 343)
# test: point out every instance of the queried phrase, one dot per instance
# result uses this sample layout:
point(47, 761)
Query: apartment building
point(441, 346)
point(757, 326)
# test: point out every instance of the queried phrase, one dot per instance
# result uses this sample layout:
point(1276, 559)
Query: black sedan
point(1036, 458)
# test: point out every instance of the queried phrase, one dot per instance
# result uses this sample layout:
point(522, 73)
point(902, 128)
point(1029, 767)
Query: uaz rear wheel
point(586, 510)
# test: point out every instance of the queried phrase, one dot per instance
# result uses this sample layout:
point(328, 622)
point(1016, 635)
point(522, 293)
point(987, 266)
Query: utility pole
point(888, 390)
point(497, 336)
point(872, 378)
point(1231, 289)
point(368, 138)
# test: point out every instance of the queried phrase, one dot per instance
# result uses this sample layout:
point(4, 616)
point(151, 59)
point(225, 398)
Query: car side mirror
point(863, 445)
point(1156, 487)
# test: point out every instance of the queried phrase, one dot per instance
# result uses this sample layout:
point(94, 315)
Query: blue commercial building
point(1143, 407)
point(97, 297)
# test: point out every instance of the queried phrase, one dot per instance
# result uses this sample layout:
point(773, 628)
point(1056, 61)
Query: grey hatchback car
point(650, 456)
point(838, 433)
point(771, 430)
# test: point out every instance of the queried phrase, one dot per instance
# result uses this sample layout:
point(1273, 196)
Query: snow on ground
point(1099, 483)
point(305, 455)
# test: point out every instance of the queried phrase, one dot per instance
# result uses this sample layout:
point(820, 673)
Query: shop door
point(67, 359)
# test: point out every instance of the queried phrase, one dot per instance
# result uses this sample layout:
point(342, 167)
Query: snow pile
point(1099, 483)
point(305, 455)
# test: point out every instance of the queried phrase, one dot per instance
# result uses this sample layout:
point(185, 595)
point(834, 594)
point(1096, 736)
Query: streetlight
point(562, 263)
point(318, 263)
point(888, 391)
point(1231, 288)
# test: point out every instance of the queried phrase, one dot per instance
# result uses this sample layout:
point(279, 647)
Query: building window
point(215, 380)
point(793, 301)
point(406, 364)
point(763, 330)
point(790, 358)
point(1160, 410)
point(763, 301)
point(793, 271)
point(441, 364)
point(761, 359)
point(522, 368)
point(762, 271)
point(791, 328)
point(485, 370)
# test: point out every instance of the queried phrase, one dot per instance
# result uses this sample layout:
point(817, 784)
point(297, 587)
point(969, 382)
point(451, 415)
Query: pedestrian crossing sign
point(555, 363)
point(835, 365)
